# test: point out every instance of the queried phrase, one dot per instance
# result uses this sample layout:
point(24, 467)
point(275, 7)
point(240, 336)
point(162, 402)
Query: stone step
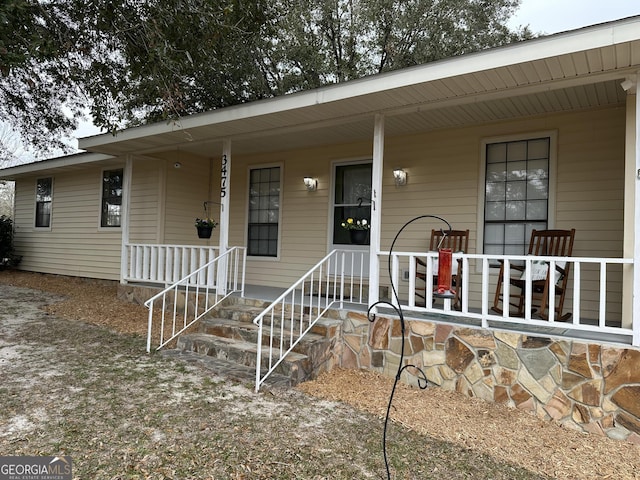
point(247, 313)
point(248, 332)
point(229, 370)
point(296, 366)
point(238, 312)
point(327, 327)
point(317, 344)
point(229, 335)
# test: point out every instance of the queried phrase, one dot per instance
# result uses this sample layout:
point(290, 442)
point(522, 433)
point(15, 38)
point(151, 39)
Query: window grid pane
point(516, 194)
point(352, 198)
point(264, 211)
point(43, 202)
point(111, 213)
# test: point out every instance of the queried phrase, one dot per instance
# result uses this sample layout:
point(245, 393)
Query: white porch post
point(636, 223)
point(631, 248)
point(225, 175)
point(124, 219)
point(630, 209)
point(376, 204)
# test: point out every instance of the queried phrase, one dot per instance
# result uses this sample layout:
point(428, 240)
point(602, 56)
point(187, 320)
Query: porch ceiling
point(571, 71)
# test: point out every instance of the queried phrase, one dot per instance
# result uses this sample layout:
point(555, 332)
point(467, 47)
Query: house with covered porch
point(538, 135)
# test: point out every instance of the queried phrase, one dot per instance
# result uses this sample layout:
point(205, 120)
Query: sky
point(542, 16)
point(553, 16)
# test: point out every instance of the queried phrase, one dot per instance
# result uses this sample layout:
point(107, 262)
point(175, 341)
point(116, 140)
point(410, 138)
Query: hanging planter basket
point(204, 232)
point(358, 237)
point(206, 224)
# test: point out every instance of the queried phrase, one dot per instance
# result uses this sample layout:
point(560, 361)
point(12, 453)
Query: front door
point(352, 200)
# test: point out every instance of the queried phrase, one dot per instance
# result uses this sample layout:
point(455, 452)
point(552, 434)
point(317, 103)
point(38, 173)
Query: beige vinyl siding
point(444, 169)
point(590, 198)
point(304, 217)
point(146, 201)
point(186, 189)
point(75, 245)
point(444, 178)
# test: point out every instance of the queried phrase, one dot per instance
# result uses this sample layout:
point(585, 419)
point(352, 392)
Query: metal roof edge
point(9, 173)
point(572, 41)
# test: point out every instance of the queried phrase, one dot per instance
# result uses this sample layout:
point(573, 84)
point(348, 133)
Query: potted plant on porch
point(205, 226)
point(358, 229)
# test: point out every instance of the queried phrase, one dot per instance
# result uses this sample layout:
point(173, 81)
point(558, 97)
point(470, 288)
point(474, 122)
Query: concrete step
point(353, 290)
point(229, 370)
point(296, 366)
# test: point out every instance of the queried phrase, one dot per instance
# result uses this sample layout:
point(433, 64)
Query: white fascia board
point(588, 38)
point(10, 173)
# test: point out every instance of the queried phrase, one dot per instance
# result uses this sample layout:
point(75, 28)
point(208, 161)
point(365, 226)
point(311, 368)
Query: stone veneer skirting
point(590, 387)
point(586, 386)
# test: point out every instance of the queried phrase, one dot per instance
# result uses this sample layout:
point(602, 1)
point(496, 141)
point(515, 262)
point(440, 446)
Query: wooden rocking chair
point(457, 241)
point(557, 243)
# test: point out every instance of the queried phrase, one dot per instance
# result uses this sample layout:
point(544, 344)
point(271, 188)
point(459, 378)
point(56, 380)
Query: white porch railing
point(338, 278)
point(594, 292)
point(165, 264)
point(190, 298)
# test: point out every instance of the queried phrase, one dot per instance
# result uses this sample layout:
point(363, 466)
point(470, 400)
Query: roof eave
point(597, 36)
point(11, 173)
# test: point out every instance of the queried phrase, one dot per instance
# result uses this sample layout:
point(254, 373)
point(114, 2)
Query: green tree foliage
point(37, 60)
point(7, 256)
point(162, 59)
point(132, 62)
point(326, 41)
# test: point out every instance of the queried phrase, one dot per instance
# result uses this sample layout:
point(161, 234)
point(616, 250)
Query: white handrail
point(334, 279)
point(190, 297)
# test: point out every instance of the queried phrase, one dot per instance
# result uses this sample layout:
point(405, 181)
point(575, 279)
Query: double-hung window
point(111, 211)
point(264, 211)
point(44, 197)
point(516, 194)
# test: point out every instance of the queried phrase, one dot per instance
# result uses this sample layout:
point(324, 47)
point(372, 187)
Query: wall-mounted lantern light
point(311, 184)
point(400, 176)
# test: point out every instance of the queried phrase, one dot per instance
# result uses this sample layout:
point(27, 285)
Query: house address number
point(223, 177)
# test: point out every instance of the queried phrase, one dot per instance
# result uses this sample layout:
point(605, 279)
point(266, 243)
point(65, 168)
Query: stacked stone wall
point(590, 387)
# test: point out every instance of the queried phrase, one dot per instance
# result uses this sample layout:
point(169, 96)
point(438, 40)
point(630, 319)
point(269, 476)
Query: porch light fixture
point(629, 84)
point(400, 176)
point(311, 184)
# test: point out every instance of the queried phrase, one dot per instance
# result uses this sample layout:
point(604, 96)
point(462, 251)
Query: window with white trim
point(264, 212)
point(111, 211)
point(44, 197)
point(516, 194)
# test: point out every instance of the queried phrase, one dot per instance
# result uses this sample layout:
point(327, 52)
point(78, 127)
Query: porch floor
point(261, 292)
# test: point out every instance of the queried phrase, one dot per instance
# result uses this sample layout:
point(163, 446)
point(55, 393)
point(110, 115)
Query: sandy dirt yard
point(74, 379)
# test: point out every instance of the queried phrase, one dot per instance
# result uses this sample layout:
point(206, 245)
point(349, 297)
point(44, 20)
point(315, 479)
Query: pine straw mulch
point(505, 434)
